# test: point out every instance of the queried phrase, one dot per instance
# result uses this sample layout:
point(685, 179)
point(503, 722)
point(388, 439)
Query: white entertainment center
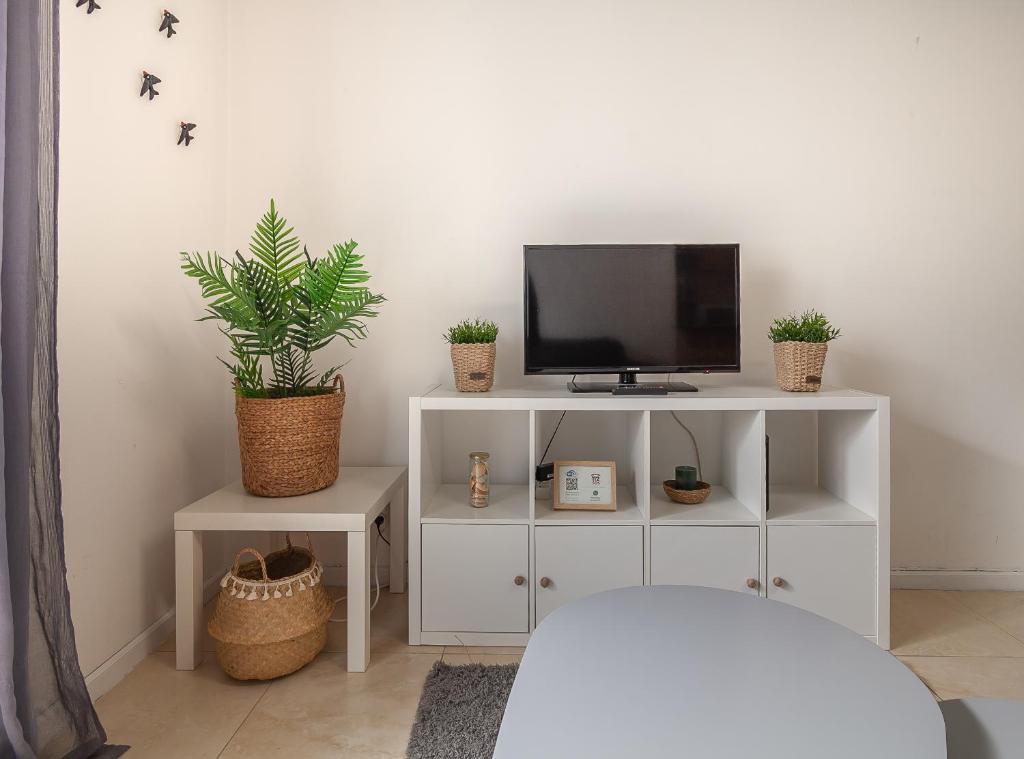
point(814, 532)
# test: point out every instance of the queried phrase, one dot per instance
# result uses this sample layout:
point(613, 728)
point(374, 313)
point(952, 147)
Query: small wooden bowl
point(689, 497)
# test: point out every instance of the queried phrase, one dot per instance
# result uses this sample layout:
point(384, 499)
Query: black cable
point(693, 439)
point(382, 534)
point(548, 447)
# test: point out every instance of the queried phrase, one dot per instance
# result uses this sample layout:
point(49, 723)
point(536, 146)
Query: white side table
point(350, 505)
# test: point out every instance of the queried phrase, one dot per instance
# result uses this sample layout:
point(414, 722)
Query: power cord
point(376, 575)
point(543, 456)
point(696, 448)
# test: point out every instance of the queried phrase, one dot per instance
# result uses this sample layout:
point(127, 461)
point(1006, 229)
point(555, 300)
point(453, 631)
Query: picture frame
point(570, 492)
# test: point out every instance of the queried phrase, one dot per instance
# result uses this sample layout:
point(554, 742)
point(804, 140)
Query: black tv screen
point(602, 309)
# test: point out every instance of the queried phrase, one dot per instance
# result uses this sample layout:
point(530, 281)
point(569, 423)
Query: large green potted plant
point(277, 308)
point(801, 344)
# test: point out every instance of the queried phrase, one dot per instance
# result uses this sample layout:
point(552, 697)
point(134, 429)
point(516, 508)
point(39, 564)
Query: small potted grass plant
point(801, 343)
point(277, 308)
point(473, 351)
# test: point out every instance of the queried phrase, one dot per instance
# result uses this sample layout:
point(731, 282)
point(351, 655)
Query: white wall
point(867, 156)
point(144, 406)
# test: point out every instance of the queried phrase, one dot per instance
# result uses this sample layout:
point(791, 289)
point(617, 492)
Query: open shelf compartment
point(731, 460)
point(619, 436)
point(448, 438)
point(823, 467)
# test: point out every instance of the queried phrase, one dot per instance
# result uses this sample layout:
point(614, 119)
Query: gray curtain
point(45, 710)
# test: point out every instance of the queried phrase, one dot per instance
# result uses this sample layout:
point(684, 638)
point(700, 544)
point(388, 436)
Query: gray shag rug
point(460, 711)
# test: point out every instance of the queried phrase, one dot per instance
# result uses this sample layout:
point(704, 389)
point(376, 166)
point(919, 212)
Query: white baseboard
point(114, 669)
point(957, 579)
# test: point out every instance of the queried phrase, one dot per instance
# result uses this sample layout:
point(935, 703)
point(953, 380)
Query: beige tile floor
point(959, 644)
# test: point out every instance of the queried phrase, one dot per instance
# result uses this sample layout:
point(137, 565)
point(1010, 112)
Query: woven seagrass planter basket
point(290, 446)
point(271, 614)
point(798, 366)
point(473, 365)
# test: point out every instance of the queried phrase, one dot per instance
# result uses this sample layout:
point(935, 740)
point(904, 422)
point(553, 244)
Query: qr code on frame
point(572, 483)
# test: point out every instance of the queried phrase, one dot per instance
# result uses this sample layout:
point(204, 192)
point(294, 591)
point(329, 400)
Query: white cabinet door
point(469, 578)
point(830, 570)
point(573, 562)
point(714, 557)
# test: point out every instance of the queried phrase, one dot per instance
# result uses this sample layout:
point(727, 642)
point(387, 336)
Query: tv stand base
point(628, 385)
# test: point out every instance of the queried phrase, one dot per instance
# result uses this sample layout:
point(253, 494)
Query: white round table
point(984, 728)
point(675, 671)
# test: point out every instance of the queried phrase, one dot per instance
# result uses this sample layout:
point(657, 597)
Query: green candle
point(686, 477)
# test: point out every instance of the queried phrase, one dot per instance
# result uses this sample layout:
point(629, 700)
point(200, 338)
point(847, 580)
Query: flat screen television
point(631, 309)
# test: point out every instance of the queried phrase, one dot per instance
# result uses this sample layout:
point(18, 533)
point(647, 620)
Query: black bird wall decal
point(149, 82)
point(93, 6)
point(186, 133)
point(167, 24)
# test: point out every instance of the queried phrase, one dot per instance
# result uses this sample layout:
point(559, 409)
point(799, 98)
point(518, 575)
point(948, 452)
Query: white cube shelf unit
point(799, 509)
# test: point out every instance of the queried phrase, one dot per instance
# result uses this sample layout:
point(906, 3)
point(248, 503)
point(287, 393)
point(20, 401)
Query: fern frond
point(214, 281)
point(346, 322)
point(334, 301)
point(274, 245)
point(329, 375)
point(247, 371)
point(294, 370)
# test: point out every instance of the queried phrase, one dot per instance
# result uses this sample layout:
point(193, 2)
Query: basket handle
point(259, 558)
point(309, 541)
point(339, 382)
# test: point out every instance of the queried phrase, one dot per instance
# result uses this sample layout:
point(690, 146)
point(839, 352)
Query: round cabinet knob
point(778, 582)
point(519, 580)
point(545, 582)
point(751, 583)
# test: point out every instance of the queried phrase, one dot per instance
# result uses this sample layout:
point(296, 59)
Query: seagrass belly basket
point(271, 614)
point(290, 446)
